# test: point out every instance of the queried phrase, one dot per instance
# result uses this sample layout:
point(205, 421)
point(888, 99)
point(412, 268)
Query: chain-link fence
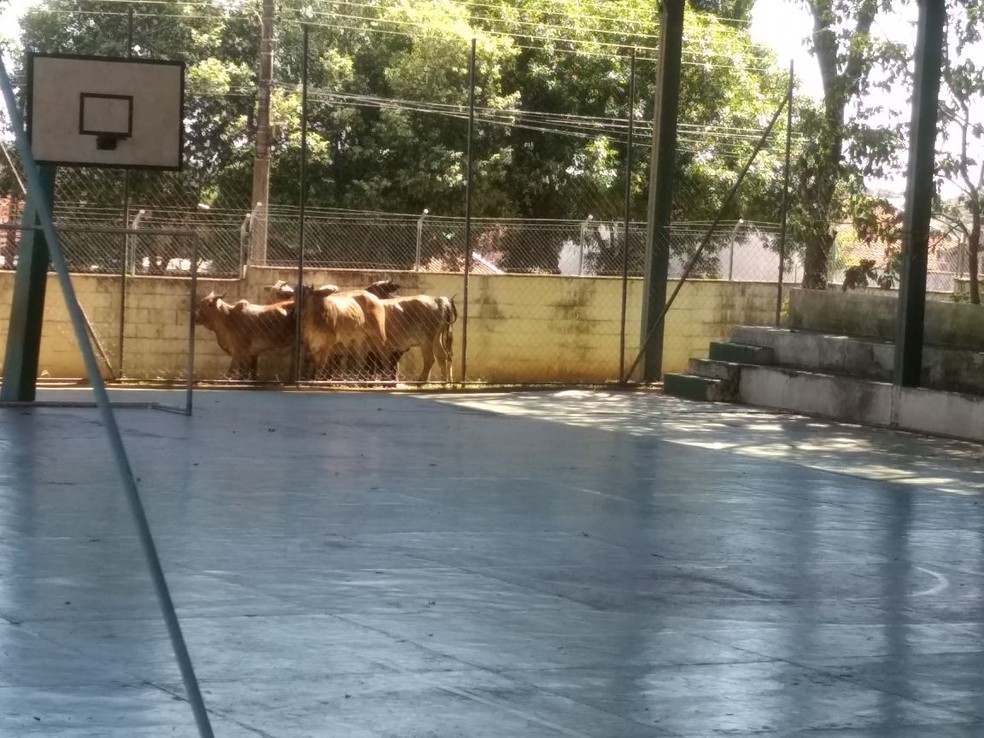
point(523, 194)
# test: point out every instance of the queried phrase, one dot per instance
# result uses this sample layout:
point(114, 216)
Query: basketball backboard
point(105, 112)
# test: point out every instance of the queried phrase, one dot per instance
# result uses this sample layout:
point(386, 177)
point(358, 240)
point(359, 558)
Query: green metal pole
point(661, 187)
point(298, 360)
point(919, 193)
point(20, 366)
point(469, 156)
point(628, 218)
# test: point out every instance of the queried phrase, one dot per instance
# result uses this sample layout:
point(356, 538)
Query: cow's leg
point(427, 354)
point(393, 365)
point(237, 367)
point(323, 365)
point(252, 367)
point(319, 353)
point(382, 364)
point(447, 352)
point(443, 358)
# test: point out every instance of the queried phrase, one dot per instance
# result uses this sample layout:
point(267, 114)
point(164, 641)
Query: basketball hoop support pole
point(42, 206)
point(22, 355)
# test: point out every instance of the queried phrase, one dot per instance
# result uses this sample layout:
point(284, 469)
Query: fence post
point(468, 189)
point(785, 194)
point(731, 249)
point(261, 158)
point(299, 292)
point(126, 210)
point(420, 238)
point(244, 241)
point(628, 213)
point(584, 234)
point(131, 257)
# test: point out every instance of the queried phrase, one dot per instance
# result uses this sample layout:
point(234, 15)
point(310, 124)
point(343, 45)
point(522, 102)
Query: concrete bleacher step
point(693, 387)
point(727, 371)
point(859, 400)
point(741, 353)
point(944, 369)
point(822, 352)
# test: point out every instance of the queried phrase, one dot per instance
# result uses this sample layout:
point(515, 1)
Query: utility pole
point(261, 159)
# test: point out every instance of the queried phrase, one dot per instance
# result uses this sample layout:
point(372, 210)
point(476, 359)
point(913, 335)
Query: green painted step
point(741, 353)
point(691, 387)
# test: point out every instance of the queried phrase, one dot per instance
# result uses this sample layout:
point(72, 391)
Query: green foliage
point(845, 142)
point(388, 100)
point(960, 164)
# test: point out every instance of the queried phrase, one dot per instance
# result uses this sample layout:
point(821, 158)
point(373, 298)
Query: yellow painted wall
point(521, 328)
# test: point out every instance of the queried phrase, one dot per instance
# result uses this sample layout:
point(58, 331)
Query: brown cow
point(282, 291)
point(383, 288)
point(352, 322)
point(244, 330)
point(419, 320)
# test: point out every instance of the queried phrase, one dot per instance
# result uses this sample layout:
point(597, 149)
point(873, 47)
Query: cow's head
point(383, 288)
point(311, 294)
point(208, 308)
point(281, 291)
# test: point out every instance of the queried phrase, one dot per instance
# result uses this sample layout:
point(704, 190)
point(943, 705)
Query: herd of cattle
point(345, 332)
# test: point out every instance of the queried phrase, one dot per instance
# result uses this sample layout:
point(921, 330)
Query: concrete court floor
point(491, 566)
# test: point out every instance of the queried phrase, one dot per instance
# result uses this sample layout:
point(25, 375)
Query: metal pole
point(919, 194)
point(261, 159)
point(468, 189)
point(193, 300)
point(244, 231)
point(420, 238)
point(731, 250)
point(785, 192)
point(26, 323)
point(131, 256)
point(584, 231)
point(126, 212)
point(706, 240)
point(42, 199)
point(661, 178)
point(298, 293)
point(628, 211)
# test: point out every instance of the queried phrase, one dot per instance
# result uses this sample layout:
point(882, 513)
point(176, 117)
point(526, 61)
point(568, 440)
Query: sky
point(784, 27)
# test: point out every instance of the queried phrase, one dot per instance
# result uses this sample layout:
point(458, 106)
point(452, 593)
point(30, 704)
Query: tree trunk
point(816, 259)
point(817, 199)
point(841, 70)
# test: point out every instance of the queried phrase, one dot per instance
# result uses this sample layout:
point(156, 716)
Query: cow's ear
point(285, 289)
point(210, 295)
point(326, 289)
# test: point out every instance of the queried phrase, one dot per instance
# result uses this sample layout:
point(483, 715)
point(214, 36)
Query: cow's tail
point(449, 314)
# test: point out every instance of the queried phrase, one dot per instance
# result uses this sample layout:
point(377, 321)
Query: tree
point(388, 94)
point(840, 151)
point(960, 163)
point(219, 48)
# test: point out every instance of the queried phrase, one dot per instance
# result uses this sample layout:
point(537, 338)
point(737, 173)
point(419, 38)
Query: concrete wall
point(874, 315)
point(521, 328)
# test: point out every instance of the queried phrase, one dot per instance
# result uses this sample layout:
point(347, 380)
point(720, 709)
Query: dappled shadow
point(870, 453)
